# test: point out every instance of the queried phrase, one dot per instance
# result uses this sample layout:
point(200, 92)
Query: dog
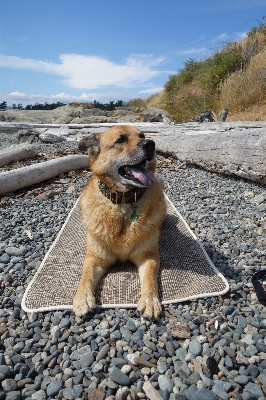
point(123, 207)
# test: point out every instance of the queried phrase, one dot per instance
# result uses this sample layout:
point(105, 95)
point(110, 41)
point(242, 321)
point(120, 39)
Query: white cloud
point(92, 72)
point(226, 37)
point(192, 51)
point(152, 90)
point(24, 98)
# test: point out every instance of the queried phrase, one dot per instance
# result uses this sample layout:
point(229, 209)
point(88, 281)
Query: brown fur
point(111, 234)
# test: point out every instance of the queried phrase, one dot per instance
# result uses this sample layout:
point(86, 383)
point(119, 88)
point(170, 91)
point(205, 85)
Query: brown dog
point(123, 207)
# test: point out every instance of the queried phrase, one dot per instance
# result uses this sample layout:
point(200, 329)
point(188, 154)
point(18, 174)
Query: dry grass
point(156, 100)
point(247, 87)
point(86, 106)
point(74, 104)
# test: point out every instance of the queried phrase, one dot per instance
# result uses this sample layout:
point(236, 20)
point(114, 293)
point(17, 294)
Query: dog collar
point(129, 197)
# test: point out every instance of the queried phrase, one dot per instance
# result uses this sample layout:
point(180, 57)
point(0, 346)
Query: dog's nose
point(149, 147)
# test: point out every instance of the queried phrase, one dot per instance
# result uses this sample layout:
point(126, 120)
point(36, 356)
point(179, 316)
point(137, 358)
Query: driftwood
point(240, 152)
point(16, 153)
point(35, 173)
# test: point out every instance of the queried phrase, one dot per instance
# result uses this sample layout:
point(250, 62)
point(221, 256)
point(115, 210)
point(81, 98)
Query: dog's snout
point(149, 147)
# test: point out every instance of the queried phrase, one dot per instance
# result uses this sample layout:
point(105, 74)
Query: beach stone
point(119, 362)
point(195, 348)
point(86, 360)
point(192, 379)
point(162, 367)
point(65, 323)
point(96, 394)
point(53, 388)
point(69, 393)
point(97, 367)
point(242, 379)
point(254, 389)
point(145, 371)
point(181, 353)
point(39, 395)
point(170, 348)
point(119, 377)
point(9, 385)
point(165, 383)
point(15, 395)
point(262, 379)
point(191, 392)
point(103, 352)
point(131, 326)
point(219, 390)
point(15, 251)
point(205, 394)
point(4, 372)
point(228, 310)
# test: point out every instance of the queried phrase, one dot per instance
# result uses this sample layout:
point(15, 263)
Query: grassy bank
point(233, 77)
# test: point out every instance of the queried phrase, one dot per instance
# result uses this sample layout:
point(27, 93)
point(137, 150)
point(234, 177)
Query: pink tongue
point(143, 175)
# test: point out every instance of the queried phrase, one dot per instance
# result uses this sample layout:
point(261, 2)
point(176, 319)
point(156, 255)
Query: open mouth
point(137, 173)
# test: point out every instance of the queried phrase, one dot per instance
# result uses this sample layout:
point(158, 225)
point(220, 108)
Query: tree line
point(51, 106)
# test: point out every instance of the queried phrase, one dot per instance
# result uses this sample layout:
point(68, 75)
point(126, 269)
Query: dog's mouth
point(137, 173)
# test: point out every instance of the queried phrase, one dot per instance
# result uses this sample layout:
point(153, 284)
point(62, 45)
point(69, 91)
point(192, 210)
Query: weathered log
point(240, 152)
point(16, 153)
point(35, 173)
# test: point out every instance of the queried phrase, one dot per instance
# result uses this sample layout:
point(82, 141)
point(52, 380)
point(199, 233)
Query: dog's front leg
point(149, 303)
point(93, 269)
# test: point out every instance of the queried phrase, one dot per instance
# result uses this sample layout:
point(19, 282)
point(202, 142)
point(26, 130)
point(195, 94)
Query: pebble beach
point(211, 348)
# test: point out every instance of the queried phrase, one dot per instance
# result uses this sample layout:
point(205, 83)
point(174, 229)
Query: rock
point(165, 383)
point(131, 326)
point(204, 116)
point(254, 389)
point(4, 372)
point(122, 393)
point(195, 348)
point(119, 377)
point(190, 393)
point(219, 390)
point(145, 371)
point(9, 385)
point(96, 394)
point(205, 394)
point(150, 391)
point(262, 379)
point(103, 352)
point(170, 348)
point(39, 395)
point(242, 379)
point(86, 360)
point(13, 396)
point(143, 363)
point(53, 388)
point(228, 310)
point(14, 251)
point(181, 331)
point(69, 393)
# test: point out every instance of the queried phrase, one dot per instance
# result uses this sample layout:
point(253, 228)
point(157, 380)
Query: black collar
point(129, 197)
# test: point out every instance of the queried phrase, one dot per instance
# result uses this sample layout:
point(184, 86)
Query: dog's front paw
point(83, 304)
point(150, 307)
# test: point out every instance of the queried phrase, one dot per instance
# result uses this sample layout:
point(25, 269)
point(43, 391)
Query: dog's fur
point(111, 233)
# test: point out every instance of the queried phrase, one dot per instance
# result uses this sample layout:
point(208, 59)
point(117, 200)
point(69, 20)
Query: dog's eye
point(142, 136)
point(122, 139)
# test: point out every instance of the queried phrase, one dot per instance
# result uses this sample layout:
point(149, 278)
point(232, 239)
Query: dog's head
point(121, 157)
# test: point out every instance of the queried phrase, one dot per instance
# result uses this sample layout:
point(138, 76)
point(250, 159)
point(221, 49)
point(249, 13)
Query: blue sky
point(85, 50)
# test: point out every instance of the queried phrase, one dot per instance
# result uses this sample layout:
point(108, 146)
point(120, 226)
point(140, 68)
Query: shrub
point(141, 103)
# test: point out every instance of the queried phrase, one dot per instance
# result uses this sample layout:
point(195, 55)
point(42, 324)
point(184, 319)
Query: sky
point(109, 50)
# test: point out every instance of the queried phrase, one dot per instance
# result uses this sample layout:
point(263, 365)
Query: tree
point(14, 106)
point(3, 105)
point(20, 107)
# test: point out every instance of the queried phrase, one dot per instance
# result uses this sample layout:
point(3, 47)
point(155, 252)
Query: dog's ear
point(90, 144)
